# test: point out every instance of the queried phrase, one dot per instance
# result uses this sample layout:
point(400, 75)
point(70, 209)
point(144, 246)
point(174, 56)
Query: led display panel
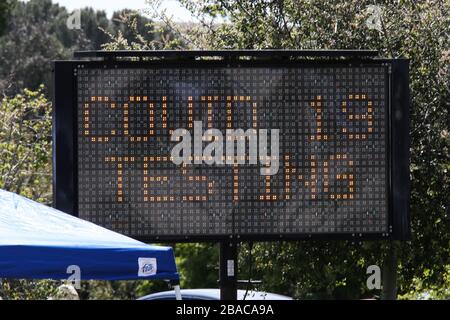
point(332, 166)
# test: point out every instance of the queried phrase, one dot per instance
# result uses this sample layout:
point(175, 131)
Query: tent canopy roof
point(37, 241)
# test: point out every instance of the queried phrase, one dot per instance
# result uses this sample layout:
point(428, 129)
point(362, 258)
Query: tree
point(25, 168)
point(415, 30)
point(25, 145)
point(5, 12)
point(28, 47)
point(36, 33)
point(134, 32)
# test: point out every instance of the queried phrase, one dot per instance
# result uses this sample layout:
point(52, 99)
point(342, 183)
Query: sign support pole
point(228, 270)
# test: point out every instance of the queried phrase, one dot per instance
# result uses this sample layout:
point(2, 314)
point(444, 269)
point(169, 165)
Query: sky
point(173, 6)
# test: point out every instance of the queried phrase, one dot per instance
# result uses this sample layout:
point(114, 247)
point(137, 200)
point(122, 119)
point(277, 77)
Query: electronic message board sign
point(163, 149)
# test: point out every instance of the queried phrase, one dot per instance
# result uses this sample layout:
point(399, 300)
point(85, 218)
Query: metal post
point(177, 292)
point(228, 270)
point(176, 287)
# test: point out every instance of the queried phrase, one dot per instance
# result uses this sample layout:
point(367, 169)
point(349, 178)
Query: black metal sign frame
point(65, 139)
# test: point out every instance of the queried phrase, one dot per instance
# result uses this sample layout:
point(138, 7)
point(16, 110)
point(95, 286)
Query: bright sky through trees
point(172, 6)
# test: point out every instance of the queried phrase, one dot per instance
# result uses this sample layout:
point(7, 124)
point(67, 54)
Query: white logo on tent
point(147, 267)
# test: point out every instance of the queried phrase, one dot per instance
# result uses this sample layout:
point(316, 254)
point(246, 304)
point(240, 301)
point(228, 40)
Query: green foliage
point(25, 145)
point(27, 289)
point(422, 291)
point(25, 168)
point(28, 46)
point(137, 33)
point(198, 264)
point(5, 12)
point(36, 33)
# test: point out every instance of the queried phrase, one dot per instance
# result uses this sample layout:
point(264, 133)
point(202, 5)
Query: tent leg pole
point(228, 270)
point(176, 287)
point(177, 292)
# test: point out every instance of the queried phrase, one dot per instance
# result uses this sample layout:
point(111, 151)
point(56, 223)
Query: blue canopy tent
point(40, 242)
